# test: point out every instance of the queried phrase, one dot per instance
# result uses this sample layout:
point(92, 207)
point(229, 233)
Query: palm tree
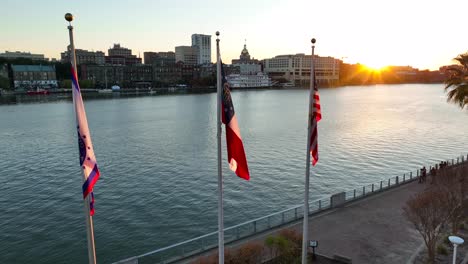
point(456, 85)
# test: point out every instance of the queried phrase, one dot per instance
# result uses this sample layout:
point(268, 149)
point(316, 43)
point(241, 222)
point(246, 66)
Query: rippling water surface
point(157, 157)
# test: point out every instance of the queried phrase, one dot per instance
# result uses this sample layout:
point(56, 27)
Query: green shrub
point(442, 250)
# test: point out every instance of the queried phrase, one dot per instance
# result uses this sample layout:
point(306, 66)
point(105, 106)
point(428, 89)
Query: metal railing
point(195, 246)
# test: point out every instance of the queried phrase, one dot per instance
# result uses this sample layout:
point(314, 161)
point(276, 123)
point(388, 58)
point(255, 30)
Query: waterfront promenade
point(369, 230)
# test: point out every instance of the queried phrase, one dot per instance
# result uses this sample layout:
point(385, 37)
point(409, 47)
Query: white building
point(22, 55)
point(203, 44)
point(186, 54)
point(296, 68)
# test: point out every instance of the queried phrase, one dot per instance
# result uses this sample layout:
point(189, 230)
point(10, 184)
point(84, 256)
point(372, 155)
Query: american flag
point(85, 146)
point(315, 118)
point(235, 147)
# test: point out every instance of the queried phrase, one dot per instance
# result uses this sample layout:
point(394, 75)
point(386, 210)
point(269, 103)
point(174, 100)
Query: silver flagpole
point(89, 218)
point(305, 229)
point(220, 171)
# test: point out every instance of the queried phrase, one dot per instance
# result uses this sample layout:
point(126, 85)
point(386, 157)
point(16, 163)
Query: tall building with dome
point(251, 75)
point(246, 64)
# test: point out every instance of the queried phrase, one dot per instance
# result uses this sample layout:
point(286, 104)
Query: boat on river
point(38, 92)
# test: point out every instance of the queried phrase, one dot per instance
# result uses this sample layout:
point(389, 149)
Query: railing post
point(458, 160)
point(388, 183)
point(404, 177)
point(411, 175)
point(363, 190)
point(320, 205)
point(417, 173)
point(354, 197)
point(397, 180)
point(380, 185)
point(372, 187)
point(255, 226)
point(452, 161)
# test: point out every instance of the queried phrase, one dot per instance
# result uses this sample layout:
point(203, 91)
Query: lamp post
point(456, 241)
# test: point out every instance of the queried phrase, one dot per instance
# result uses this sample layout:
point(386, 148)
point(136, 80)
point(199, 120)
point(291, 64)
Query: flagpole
point(220, 171)
point(89, 218)
point(305, 230)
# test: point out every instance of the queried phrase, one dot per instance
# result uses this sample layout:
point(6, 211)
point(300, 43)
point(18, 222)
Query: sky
point(423, 34)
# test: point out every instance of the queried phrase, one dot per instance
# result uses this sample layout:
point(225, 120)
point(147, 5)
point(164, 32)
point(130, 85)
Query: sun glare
point(375, 67)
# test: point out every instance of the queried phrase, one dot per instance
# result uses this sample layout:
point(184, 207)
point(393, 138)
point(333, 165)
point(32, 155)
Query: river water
point(157, 156)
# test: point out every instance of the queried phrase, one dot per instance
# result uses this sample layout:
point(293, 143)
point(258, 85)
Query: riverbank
point(373, 229)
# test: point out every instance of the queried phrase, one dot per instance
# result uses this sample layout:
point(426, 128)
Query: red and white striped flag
point(315, 118)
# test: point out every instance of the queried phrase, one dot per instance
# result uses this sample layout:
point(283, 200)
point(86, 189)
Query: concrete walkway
point(370, 230)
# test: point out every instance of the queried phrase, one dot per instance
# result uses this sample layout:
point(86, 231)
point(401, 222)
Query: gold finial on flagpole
point(68, 17)
point(313, 41)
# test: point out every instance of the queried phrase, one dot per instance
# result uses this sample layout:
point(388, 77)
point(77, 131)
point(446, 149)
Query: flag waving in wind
point(315, 118)
point(235, 147)
point(87, 158)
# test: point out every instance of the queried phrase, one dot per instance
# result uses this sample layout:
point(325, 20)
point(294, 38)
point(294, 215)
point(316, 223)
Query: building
point(247, 65)
point(250, 72)
point(29, 77)
point(103, 76)
point(203, 45)
point(165, 75)
point(186, 54)
point(118, 55)
point(117, 50)
point(159, 58)
point(127, 76)
point(22, 55)
point(296, 69)
point(84, 56)
point(138, 76)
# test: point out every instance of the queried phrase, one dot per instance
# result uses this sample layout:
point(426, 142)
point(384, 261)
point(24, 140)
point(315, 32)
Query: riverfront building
point(118, 55)
point(103, 76)
point(159, 58)
point(296, 69)
point(84, 56)
point(250, 72)
point(247, 65)
point(29, 77)
point(186, 54)
point(22, 55)
point(203, 45)
point(128, 76)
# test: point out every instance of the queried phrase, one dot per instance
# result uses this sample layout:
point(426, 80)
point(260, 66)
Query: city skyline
point(419, 34)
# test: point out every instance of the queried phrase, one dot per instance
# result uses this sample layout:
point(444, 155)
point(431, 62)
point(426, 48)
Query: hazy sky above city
point(424, 34)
